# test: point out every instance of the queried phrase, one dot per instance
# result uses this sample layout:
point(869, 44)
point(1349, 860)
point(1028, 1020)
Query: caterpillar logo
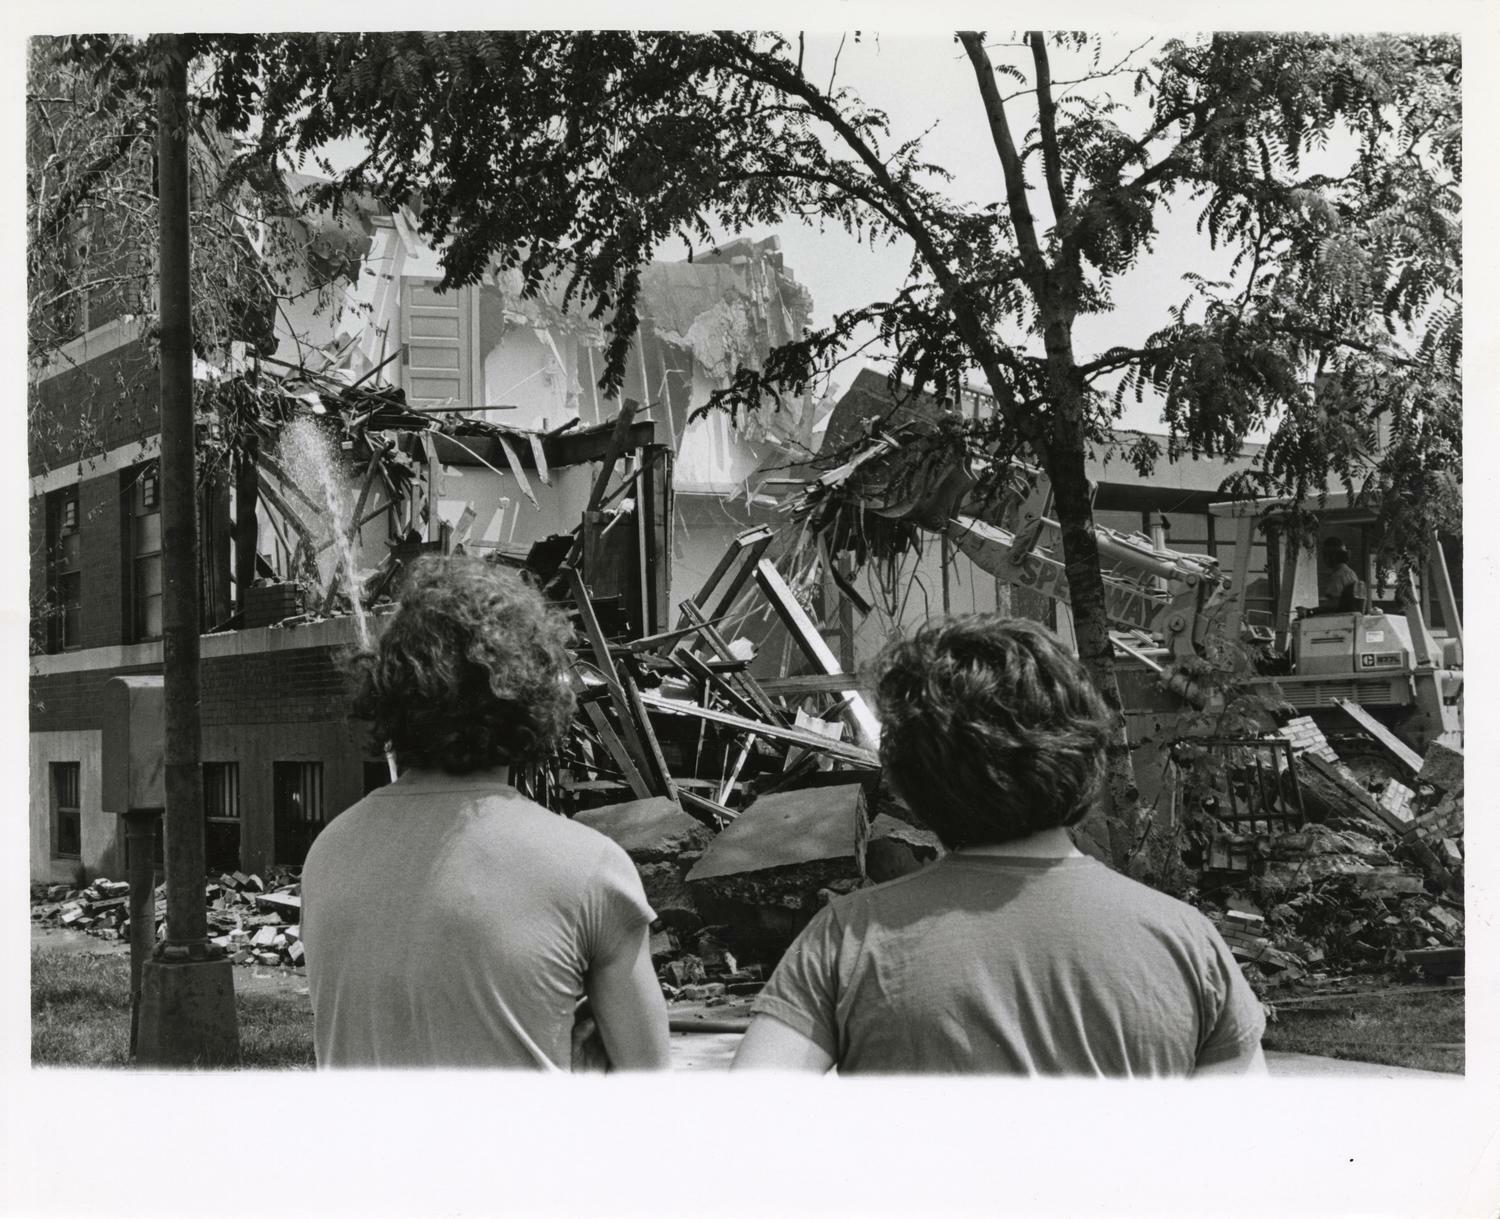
point(1386, 660)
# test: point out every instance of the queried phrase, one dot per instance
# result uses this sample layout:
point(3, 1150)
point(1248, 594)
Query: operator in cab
point(1343, 588)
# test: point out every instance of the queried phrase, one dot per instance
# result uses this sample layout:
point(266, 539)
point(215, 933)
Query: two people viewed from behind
point(1014, 953)
point(448, 920)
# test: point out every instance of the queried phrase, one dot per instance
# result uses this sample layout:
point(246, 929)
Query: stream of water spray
point(311, 461)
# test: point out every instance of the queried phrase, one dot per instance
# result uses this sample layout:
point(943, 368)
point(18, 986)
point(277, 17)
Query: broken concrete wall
point(664, 843)
point(771, 869)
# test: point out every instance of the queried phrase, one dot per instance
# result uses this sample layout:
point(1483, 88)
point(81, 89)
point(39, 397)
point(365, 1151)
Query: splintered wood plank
point(648, 734)
point(810, 639)
point(606, 666)
point(617, 751)
point(720, 648)
point(1397, 748)
point(777, 732)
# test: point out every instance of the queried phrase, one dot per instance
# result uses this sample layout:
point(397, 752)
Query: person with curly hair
point(1014, 953)
point(448, 921)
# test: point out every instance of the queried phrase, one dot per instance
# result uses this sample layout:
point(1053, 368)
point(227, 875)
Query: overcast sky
point(919, 81)
point(926, 81)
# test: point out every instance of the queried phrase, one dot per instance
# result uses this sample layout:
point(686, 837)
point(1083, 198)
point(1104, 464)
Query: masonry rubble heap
point(255, 920)
point(1371, 881)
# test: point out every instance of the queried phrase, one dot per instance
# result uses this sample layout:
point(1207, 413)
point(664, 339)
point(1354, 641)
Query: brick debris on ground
point(1372, 883)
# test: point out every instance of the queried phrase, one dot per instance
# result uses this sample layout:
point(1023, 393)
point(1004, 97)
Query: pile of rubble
point(729, 902)
point(99, 908)
point(256, 921)
point(1370, 882)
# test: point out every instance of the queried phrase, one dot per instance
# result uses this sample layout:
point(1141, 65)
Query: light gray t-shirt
point(450, 922)
point(1015, 965)
point(1343, 587)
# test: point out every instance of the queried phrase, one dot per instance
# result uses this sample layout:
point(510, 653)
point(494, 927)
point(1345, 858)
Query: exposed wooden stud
point(805, 632)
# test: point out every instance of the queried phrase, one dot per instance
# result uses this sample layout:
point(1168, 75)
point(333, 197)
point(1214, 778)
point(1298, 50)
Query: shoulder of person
point(1162, 905)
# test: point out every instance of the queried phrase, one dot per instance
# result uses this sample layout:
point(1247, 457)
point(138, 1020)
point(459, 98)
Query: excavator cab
point(1384, 654)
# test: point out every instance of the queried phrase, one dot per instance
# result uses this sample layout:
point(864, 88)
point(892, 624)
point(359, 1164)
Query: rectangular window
point(64, 571)
point(297, 798)
point(221, 816)
point(143, 489)
point(67, 814)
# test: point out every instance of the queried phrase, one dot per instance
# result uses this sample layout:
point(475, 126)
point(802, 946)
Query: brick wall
point(102, 587)
point(261, 688)
point(257, 709)
point(274, 687)
point(100, 405)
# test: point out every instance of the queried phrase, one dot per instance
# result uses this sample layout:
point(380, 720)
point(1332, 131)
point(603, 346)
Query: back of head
point(990, 730)
point(1335, 552)
point(470, 672)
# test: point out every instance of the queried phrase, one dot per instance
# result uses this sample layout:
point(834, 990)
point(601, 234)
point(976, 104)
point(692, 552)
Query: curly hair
point(471, 671)
point(990, 730)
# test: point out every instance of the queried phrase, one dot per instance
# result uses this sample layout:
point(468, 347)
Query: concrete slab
point(652, 830)
point(784, 829)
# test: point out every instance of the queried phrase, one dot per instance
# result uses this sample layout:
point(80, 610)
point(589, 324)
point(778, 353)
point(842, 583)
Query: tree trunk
point(1113, 829)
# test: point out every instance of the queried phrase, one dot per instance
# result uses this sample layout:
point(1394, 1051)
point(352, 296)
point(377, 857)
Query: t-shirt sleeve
point(616, 906)
point(803, 990)
point(1238, 1020)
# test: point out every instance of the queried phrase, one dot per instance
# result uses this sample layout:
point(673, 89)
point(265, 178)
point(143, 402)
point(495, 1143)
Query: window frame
point(137, 478)
point(58, 809)
point(61, 567)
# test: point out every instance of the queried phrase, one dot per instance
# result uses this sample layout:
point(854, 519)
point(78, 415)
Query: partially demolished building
point(398, 420)
point(405, 419)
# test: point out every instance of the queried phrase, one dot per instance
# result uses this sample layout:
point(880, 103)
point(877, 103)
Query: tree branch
point(1047, 118)
point(1010, 163)
point(979, 341)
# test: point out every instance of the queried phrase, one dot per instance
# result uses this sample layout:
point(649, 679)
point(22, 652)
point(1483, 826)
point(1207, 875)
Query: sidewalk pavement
point(714, 1051)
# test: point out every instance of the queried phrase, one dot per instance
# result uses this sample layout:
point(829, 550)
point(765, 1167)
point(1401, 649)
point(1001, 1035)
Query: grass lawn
point(1422, 1030)
point(80, 1016)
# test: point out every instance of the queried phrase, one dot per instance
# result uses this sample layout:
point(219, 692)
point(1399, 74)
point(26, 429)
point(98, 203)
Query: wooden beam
point(617, 751)
point(852, 754)
point(606, 666)
point(717, 682)
point(754, 548)
point(694, 803)
point(815, 648)
point(760, 536)
point(720, 648)
point(648, 733)
point(616, 448)
point(1393, 745)
point(651, 642)
point(809, 684)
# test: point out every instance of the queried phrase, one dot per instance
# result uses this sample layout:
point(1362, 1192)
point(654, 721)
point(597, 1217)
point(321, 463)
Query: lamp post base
point(187, 1016)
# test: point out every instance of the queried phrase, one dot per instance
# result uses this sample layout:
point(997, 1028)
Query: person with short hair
point(448, 921)
point(1343, 588)
point(1014, 953)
